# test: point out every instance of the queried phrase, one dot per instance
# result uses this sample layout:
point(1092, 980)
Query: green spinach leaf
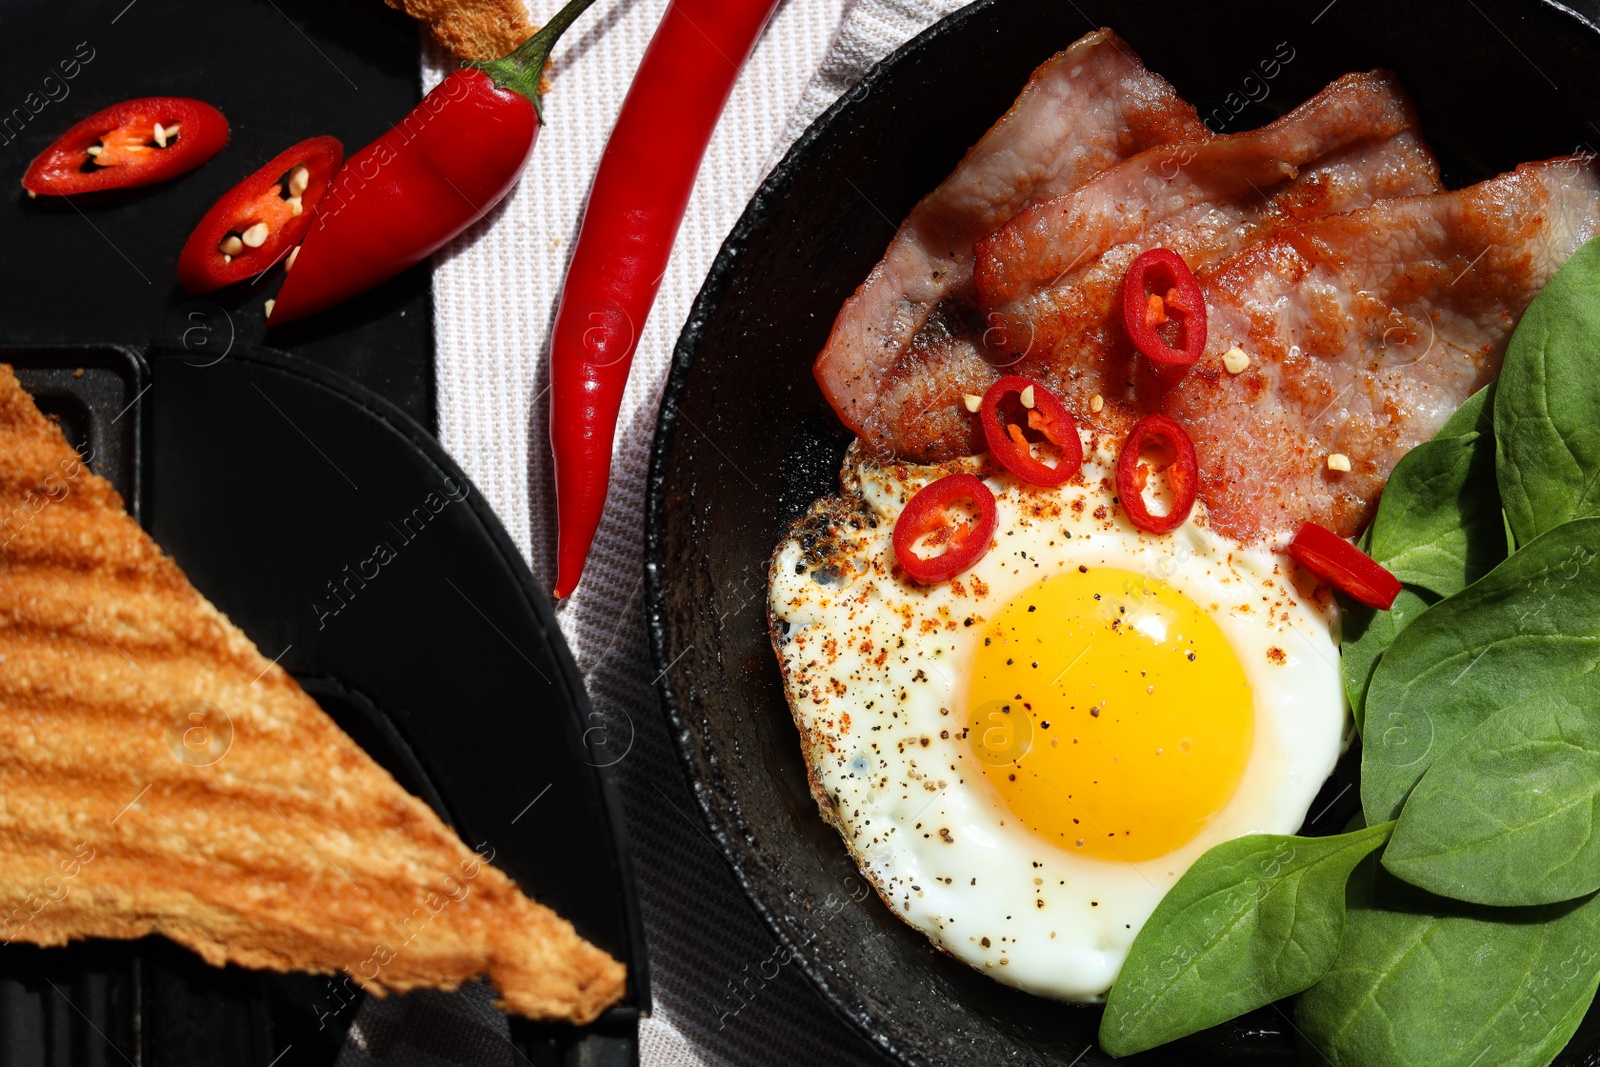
point(1439, 525)
point(1366, 633)
point(1254, 920)
point(1544, 410)
point(1511, 814)
point(1434, 983)
point(1529, 626)
point(1476, 414)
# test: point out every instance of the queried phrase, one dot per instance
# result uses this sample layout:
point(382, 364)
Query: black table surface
point(103, 267)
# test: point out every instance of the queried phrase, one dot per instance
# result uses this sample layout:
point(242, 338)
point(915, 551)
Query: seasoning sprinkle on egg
point(1084, 613)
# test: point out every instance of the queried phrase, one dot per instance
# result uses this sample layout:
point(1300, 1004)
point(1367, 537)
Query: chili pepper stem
point(521, 70)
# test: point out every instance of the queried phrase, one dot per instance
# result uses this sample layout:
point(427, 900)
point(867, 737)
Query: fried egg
point(1024, 759)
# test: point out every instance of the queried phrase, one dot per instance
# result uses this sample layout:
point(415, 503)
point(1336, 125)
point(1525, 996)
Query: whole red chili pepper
point(637, 201)
point(398, 200)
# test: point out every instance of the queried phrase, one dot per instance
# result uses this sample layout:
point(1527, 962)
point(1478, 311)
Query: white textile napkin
point(495, 291)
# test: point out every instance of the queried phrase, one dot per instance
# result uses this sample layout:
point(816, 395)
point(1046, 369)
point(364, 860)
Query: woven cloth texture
point(495, 292)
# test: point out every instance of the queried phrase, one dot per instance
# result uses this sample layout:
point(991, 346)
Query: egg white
point(875, 668)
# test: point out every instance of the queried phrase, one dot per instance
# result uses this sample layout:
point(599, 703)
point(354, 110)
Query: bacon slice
point(1205, 200)
point(1365, 331)
point(1353, 143)
point(1052, 276)
point(1082, 111)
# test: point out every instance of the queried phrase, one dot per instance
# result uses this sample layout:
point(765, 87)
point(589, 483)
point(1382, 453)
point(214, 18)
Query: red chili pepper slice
point(261, 219)
point(1011, 447)
point(402, 197)
point(635, 205)
point(928, 515)
point(1344, 566)
point(1183, 474)
point(136, 142)
point(1157, 284)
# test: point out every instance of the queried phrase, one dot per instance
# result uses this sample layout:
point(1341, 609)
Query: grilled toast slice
point(159, 775)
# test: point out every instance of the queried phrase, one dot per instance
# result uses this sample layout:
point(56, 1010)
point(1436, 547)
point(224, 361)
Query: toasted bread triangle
point(159, 775)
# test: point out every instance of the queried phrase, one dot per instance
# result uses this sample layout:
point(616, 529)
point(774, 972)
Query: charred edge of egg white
point(818, 532)
point(824, 534)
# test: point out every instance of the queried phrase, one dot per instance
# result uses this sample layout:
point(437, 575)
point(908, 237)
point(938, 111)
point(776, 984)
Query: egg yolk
point(1110, 713)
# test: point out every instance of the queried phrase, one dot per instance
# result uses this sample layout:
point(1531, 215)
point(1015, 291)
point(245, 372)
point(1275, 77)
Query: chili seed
point(299, 180)
point(288, 264)
point(295, 206)
point(1097, 403)
point(972, 401)
point(1026, 396)
point(1338, 461)
point(161, 135)
point(255, 236)
point(231, 245)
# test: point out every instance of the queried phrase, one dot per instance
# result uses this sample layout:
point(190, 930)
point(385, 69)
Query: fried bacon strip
point(1364, 332)
point(1087, 108)
point(1052, 276)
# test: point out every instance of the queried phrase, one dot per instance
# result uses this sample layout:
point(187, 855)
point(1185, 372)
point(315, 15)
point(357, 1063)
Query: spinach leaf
point(1544, 411)
point(1434, 983)
point(1366, 633)
point(1511, 814)
point(1439, 527)
point(1475, 414)
point(1529, 626)
point(1438, 524)
point(1254, 920)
